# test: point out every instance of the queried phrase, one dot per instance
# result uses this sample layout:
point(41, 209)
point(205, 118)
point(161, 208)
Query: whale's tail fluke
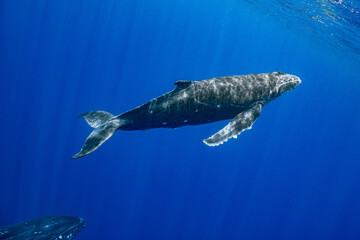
point(104, 124)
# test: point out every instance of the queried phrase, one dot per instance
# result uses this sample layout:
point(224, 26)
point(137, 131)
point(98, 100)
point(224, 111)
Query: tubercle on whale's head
point(285, 82)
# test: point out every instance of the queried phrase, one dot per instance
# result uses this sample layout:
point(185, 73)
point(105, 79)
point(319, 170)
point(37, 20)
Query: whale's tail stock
point(105, 124)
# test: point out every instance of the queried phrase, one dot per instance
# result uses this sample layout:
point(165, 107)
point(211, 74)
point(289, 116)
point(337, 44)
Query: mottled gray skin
point(44, 228)
point(211, 100)
point(239, 98)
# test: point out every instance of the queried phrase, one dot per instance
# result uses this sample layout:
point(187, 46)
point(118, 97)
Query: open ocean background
point(295, 175)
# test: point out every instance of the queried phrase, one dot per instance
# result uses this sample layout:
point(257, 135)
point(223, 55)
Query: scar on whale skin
point(239, 97)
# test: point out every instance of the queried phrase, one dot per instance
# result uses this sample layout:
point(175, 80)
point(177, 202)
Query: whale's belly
point(203, 102)
point(174, 116)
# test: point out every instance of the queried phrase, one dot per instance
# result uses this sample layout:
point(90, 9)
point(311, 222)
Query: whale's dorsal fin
point(182, 84)
point(240, 123)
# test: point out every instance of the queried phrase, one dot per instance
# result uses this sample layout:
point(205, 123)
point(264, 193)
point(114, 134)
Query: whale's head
point(283, 82)
point(50, 227)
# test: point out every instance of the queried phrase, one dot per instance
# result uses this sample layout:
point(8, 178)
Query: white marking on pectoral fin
point(237, 125)
point(216, 140)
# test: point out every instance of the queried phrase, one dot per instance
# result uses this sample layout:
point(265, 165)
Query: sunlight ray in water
point(335, 23)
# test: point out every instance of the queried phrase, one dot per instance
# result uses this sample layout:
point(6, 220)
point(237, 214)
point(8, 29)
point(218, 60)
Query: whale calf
point(43, 228)
point(239, 97)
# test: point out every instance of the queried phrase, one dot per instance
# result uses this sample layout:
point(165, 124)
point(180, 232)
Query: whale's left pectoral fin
point(241, 122)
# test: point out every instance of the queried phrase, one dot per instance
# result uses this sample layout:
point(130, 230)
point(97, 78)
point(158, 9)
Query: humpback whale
point(239, 97)
point(50, 227)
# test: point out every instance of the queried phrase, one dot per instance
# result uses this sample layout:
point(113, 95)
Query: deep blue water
point(295, 175)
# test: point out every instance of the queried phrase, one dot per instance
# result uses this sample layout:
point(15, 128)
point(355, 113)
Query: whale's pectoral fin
point(241, 122)
point(105, 126)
